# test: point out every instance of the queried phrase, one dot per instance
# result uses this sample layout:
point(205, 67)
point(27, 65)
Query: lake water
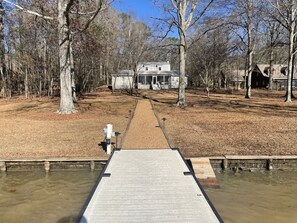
point(257, 197)
point(59, 196)
point(39, 197)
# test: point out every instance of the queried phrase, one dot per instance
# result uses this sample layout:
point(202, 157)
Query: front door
point(155, 84)
point(154, 80)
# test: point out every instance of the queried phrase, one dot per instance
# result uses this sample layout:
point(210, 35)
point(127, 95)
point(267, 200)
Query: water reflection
point(39, 197)
point(256, 197)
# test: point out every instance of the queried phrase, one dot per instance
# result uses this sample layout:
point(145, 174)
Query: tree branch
point(29, 11)
point(197, 18)
point(96, 12)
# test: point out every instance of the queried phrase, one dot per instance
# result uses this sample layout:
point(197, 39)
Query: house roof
point(169, 73)
point(124, 73)
point(154, 63)
point(278, 71)
point(147, 73)
point(151, 72)
point(264, 70)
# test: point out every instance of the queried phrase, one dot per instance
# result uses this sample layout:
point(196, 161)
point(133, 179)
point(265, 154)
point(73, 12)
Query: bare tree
point(65, 50)
point(246, 23)
point(207, 58)
point(67, 30)
point(286, 14)
point(67, 82)
point(273, 33)
point(184, 14)
point(248, 7)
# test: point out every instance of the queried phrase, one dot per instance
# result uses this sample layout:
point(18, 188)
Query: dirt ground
point(32, 129)
point(229, 124)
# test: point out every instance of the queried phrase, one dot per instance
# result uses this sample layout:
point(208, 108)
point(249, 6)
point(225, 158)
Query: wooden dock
point(148, 186)
point(204, 172)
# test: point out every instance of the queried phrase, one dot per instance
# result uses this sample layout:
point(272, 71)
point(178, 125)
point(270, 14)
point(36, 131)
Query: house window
point(142, 79)
point(160, 68)
point(146, 68)
point(160, 79)
point(167, 79)
point(149, 80)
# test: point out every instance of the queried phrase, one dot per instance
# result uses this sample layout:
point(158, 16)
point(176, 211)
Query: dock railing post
point(108, 138)
point(109, 134)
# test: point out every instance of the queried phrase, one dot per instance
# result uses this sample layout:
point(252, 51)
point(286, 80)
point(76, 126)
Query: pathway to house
point(144, 131)
point(146, 181)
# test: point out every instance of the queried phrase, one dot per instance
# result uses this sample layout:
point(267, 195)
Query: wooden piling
point(92, 165)
point(47, 166)
point(269, 164)
point(3, 166)
point(225, 164)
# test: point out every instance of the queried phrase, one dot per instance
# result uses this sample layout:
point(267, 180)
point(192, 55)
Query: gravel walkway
point(144, 131)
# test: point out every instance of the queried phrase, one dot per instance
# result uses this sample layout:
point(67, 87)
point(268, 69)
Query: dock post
point(269, 164)
point(92, 165)
point(47, 166)
point(3, 166)
point(225, 164)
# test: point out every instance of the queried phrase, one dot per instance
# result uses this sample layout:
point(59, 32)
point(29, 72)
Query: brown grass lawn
point(32, 129)
point(229, 124)
point(223, 124)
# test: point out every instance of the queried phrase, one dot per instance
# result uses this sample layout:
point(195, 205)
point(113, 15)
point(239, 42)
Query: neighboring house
point(148, 75)
point(260, 76)
point(238, 78)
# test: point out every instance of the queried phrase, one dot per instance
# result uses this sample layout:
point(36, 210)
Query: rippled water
point(257, 197)
point(47, 198)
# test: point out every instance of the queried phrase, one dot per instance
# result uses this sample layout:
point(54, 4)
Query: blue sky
point(141, 9)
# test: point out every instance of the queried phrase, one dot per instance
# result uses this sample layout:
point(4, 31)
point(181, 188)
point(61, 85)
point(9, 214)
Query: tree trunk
point(249, 76)
point(51, 90)
point(40, 85)
point(45, 71)
point(66, 101)
point(182, 73)
point(73, 87)
point(250, 60)
point(182, 54)
point(26, 84)
point(2, 53)
point(291, 55)
point(293, 70)
point(8, 74)
point(207, 82)
point(107, 68)
point(270, 86)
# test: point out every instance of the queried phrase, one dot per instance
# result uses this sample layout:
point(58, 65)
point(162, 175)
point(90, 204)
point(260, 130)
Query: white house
point(123, 80)
point(148, 75)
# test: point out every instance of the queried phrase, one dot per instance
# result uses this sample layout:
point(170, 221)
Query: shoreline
point(225, 163)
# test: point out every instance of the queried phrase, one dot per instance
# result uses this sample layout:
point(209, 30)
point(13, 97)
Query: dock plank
point(204, 172)
point(148, 186)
